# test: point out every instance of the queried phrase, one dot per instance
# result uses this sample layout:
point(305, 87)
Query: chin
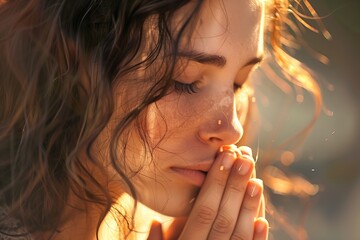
point(177, 210)
point(172, 204)
point(175, 213)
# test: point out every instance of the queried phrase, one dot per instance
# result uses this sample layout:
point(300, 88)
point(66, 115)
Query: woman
point(118, 113)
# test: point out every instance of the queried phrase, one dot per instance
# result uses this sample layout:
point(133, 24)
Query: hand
point(230, 204)
point(173, 232)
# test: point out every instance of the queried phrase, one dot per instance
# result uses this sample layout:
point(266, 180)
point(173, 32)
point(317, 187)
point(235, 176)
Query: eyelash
point(189, 88)
point(192, 88)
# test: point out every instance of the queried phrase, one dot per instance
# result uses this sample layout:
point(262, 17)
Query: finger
point(247, 151)
point(261, 229)
point(207, 203)
point(155, 231)
point(249, 209)
point(231, 201)
point(175, 229)
point(231, 148)
point(261, 212)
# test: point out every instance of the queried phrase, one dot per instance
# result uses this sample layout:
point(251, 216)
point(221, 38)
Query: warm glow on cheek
point(176, 111)
point(163, 117)
point(155, 124)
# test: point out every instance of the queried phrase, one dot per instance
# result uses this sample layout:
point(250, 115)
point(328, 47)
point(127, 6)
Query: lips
point(194, 174)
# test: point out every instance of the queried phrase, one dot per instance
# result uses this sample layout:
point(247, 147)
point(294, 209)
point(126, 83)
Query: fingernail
point(260, 226)
point(245, 150)
point(253, 188)
point(244, 167)
point(227, 161)
point(247, 157)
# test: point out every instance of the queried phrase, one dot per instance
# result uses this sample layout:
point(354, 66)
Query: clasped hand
point(230, 204)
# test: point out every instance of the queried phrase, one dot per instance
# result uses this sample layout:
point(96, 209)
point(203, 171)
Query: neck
point(117, 224)
point(140, 221)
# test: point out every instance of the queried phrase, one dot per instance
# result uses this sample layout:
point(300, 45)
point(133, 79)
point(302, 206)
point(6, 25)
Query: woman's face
point(189, 125)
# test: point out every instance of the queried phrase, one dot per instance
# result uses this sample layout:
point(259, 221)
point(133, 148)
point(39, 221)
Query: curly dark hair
point(59, 63)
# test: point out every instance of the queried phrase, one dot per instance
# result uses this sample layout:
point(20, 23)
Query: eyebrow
point(213, 59)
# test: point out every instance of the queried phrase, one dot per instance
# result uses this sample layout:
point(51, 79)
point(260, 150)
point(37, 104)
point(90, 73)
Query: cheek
point(176, 114)
point(155, 124)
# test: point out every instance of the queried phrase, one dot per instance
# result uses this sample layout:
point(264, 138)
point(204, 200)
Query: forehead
point(220, 17)
point(232, 28)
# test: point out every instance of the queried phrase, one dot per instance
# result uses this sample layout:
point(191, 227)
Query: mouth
point(192, 176)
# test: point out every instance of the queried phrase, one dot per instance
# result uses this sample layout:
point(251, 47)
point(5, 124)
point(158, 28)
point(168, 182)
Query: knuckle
point(236, 188)
point(223, 224)
point(249, 207)
point(205, 214)
point(220, 181)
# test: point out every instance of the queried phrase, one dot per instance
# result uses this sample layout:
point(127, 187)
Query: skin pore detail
point(120, 117)
point(226, 101)
point(184, 127)
point(168, 150)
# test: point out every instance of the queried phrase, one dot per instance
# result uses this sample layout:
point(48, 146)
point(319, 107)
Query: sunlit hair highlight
point(286, 21)
point(59, 63)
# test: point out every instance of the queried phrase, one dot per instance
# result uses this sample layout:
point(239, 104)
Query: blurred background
point(324, 201)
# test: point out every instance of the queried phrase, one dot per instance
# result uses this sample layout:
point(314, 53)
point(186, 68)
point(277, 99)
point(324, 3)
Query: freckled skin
point(187, 124)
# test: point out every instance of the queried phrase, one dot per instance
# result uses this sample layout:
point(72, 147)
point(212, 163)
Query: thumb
point(155, 231)
point(176, 228)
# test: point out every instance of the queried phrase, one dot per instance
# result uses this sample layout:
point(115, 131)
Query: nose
point(222, 125)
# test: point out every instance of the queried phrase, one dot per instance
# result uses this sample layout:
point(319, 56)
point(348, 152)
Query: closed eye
point(189, 88)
